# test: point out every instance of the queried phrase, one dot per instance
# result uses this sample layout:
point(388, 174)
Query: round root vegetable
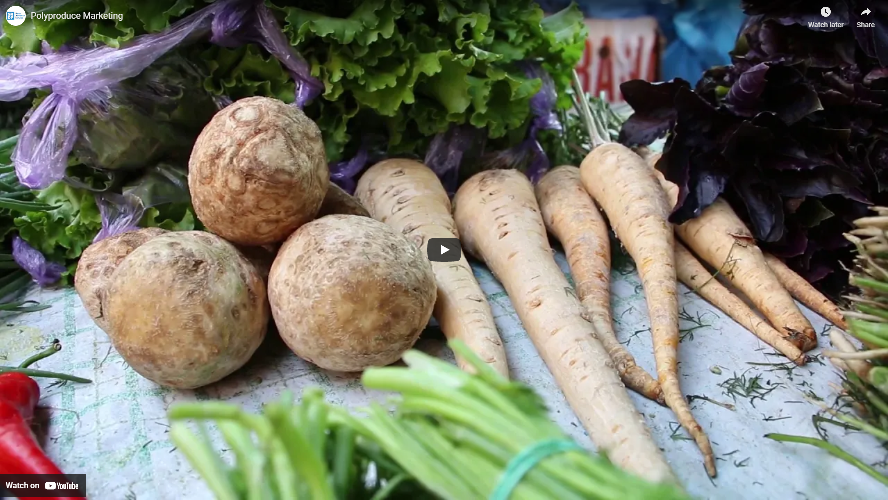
point(337, 201)
point(696, 277)
point(98, 262)
point(636, 206)
point(572, 217)
point(258, 171)
point(499, 222)
point(722, 240)
point(185, 309)
point(408, 196)
point(348, 292)
point(805, 293)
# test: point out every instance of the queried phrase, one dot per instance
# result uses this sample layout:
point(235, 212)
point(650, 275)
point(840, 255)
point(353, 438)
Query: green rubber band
point(523, 462)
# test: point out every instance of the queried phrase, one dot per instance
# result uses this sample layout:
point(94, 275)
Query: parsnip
point(572, 217)
point(721, 239)
point(628, 191)
point(696, 277)
point(805, 293)
point(499, 222)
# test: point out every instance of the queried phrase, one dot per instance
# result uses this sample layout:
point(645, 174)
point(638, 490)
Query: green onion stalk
point(863, 404)
point(14, 199)
point(448, 434)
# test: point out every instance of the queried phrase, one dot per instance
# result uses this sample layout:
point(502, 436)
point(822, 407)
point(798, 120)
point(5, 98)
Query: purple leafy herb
point(793, 134)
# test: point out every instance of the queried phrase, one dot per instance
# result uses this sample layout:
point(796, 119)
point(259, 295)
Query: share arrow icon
point(866, 12)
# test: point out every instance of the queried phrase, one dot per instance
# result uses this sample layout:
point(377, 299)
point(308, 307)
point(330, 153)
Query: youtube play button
point(444, 250)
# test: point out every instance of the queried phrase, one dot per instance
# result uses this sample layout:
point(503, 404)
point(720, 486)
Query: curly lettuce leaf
point(447, 63)
point(172, 217)
point(63, 232)
point(415, 67)
point(244, 72)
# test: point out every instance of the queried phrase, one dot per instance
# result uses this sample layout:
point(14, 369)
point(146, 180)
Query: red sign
point(617, 51)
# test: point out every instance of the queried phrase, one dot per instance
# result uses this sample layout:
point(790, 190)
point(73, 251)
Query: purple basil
point(793, 134)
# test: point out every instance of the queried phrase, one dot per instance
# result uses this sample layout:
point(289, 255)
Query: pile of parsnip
point(348, 285)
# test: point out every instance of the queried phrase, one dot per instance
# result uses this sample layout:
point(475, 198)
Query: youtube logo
point(444, 250)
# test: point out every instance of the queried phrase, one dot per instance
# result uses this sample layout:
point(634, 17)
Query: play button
point(444, 250)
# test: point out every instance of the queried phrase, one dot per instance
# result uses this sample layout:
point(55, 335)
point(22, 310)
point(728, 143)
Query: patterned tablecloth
point(115, 429)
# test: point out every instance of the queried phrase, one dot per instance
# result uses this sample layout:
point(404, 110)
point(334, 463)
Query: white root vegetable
point(258, 171)
point(499, 222)
point(696, 277)
point(805, 293)
point(571, 216)
point(408, 196)
point(637, 208)
point(348, 292)
point(722, 240)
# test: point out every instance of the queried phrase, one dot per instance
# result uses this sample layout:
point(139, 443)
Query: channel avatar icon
point(15, 15)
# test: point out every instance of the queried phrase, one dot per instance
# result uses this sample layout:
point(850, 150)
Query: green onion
point(451, 436)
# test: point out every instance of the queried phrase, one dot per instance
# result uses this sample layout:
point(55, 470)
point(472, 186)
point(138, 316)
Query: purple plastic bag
point(48, 136)
point(44, 272)
point(529, 152)
point(343, 173)
point(446, 151)
point(251, 21)
point(122, 212)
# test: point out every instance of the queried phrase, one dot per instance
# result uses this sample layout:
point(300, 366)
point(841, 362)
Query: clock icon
point(825, 12)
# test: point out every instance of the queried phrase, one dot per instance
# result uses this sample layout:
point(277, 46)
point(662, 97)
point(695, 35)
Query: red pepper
point(19, 451)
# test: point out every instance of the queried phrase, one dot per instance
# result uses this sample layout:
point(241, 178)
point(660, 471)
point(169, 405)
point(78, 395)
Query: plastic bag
point(446, 152)
point(154, 116)
point(165, 183)
point(49, 134)
point(706, 32)
point(529, 156)
point(343, 173)
point(44, 272)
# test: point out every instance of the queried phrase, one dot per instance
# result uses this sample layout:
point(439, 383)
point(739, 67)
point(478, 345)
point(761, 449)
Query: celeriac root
point(408, 196)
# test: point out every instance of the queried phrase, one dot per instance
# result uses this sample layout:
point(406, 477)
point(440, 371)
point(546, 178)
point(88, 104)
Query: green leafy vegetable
point(63, 232)
point(451, 436)
point(414, 67)
point(154, 116)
